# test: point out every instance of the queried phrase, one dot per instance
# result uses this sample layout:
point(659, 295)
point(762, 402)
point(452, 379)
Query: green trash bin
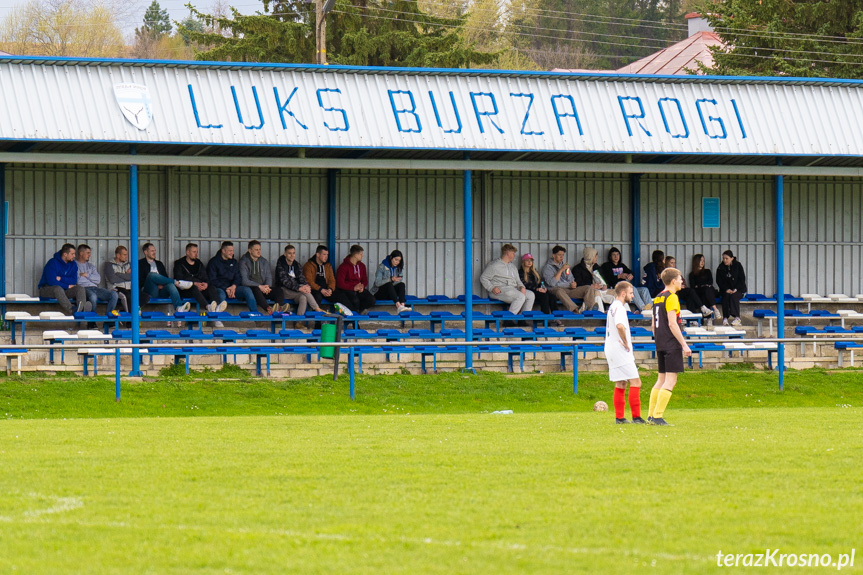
point(329, 334)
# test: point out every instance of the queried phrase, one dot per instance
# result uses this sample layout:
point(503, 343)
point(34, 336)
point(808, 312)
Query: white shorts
point(623, 372)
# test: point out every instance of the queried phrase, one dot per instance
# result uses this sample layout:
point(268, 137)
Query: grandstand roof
point(293, 115)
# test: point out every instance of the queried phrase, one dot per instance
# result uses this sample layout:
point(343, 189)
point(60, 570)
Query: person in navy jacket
point(60, 281)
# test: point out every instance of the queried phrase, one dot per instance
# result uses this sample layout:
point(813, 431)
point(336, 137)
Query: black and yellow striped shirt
point(662, 304)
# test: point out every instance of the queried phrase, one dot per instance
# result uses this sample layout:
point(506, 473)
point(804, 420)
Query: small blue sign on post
point(709, 212)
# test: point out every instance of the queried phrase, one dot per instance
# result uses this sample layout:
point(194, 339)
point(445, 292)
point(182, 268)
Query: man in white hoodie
point(500, 279)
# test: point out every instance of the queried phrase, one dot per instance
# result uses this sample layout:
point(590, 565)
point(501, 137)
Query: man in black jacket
point(292, 281)
point(191, 269)
point(154, 281)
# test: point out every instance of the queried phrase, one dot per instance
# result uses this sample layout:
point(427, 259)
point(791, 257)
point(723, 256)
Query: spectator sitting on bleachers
point(701, 280)
point(60, 281)
point(614, 271)
point(500, 279)
point(224, 273)
point(530, 278)
point(687, 294)
point(257, 275)
point(558, 278)
point(189, 268)
point(154, 281)
point(352, 282)
point(292, 281)
point(731, 280)
point(89, 279)
point(652, 271)
point(389, 281)
point(583, 273)
point(118, 276)
point(319, 274)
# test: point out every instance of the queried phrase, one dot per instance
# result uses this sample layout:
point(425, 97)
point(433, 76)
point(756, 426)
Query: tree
point(368, 33)
point(187, 26)
point(156, 22)
point(62, 28)
point(593, 33)
point(788, 38)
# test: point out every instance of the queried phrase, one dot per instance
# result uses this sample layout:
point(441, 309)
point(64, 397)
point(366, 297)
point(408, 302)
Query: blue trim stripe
point(427, 71)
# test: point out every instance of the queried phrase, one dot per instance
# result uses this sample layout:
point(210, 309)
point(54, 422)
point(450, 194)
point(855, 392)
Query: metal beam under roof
point(422, 165)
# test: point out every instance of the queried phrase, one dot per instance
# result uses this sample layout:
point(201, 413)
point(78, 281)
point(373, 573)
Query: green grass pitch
point(434, 484)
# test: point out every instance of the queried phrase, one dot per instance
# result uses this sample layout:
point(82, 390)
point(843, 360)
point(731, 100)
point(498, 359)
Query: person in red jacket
point(352, 282)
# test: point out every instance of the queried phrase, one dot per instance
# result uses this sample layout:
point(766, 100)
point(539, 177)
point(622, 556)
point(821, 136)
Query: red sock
point(635, 401)
point(619, 402)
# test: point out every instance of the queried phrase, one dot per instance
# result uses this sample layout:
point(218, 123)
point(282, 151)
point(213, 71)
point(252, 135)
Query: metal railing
point(355, 349)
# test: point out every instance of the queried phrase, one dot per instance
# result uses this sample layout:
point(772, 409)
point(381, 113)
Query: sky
point(136, 8)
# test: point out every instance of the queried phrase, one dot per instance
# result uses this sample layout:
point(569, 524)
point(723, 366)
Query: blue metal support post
point(135, 304)
point(3, 237)
point(635, 225)
point(331, 213)
point(780, 273)
point(468, 271)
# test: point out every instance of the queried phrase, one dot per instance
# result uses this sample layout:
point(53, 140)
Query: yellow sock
point(654, 393)
point(661, 403)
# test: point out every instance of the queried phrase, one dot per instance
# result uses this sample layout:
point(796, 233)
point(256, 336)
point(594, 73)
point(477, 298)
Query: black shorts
point(670, 361)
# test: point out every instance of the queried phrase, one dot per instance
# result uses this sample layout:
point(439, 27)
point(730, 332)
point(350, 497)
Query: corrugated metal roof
point(299, 106)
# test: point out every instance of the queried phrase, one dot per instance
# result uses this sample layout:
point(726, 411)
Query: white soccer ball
point(600, 406)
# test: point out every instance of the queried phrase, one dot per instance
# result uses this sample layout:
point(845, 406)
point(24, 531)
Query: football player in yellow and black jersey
point(670, 345)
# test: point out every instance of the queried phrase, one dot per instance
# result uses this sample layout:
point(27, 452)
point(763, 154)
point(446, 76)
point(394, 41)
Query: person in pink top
point(352, 282)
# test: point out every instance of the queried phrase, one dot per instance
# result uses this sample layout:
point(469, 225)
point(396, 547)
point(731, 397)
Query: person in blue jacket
point(60, 281)
point(652, 271)
point(224, 273)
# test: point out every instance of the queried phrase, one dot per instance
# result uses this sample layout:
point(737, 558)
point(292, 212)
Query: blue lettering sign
point(628, 116)
point(715, 119)
point(346, 126)
point(526, 114)
point(685, 133)
point(473, 97)
point(240, 114)
point(412, 111)
point(739, 119)
point(558, 115)
point(283, 108)
point(197, 117)
point(454, 109)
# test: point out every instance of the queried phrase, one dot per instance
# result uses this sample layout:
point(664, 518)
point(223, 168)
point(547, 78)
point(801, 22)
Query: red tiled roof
point(677, 58)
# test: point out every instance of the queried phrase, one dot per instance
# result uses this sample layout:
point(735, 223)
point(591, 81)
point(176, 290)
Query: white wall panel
point(824, 232)
point(276, 208)
point(420, 214)
point(53, 205)
point(671, 221)
point(535, 212)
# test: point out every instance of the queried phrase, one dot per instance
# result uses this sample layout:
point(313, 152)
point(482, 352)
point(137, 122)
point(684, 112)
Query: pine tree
point(367, 33)
point(788, 38)
point(156, 22)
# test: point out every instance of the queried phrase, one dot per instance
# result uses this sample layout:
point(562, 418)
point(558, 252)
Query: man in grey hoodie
point(256, 273)
point(89, 279)
point(559, 280)
point(500, 279)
